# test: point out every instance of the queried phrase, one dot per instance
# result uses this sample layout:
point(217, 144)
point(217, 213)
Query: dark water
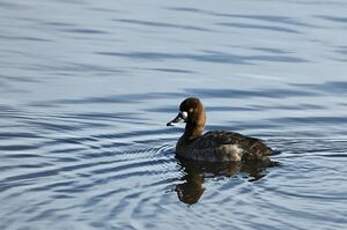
point(87, 88)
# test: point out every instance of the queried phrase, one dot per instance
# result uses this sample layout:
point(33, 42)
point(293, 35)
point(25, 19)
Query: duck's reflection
point(191, 190)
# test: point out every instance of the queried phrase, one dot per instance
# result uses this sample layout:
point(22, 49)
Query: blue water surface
point(88, 86)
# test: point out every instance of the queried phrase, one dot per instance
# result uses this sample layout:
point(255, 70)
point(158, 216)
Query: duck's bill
point(176, 120)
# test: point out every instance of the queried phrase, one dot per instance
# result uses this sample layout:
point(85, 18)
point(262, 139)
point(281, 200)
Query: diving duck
point(213, 146)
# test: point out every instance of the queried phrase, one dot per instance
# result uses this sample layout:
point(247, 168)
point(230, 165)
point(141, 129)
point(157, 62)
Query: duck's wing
point(250, 145)
point(216, 138)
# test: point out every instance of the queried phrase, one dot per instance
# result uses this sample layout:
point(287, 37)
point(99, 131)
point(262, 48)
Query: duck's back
point(221, 146)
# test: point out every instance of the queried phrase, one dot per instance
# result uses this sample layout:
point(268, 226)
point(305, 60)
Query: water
point(87, 88)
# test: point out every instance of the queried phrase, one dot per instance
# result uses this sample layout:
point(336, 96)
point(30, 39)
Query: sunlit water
point(88, 86)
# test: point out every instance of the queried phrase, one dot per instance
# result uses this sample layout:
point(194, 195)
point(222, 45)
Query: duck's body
point(215, 146)
point(222, 146)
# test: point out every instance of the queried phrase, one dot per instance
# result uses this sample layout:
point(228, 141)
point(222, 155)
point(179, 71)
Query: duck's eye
point(184, 115)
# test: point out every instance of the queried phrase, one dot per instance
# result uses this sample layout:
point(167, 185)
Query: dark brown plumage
point(215, 146)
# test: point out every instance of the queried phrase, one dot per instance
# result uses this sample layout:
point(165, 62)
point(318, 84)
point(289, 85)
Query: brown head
point(192, 112)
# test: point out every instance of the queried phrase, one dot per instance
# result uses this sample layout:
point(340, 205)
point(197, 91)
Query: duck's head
point(192, 112)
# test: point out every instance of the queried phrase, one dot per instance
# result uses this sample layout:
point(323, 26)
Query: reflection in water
point(191, 190)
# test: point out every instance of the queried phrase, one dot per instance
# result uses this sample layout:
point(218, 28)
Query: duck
point(213, 146)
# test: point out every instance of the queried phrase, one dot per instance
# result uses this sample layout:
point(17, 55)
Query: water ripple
point(207, 56)
point(236, 93)
point(333, 18)
point(258, 27)
point(265, 18)
point(162, 25)
point(86, 94)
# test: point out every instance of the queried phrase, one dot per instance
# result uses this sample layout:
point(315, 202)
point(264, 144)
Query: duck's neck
point(195, 124)
point(192, 131)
